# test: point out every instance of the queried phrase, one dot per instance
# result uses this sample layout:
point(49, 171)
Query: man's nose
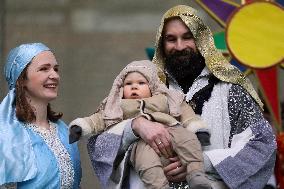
point(180, 45)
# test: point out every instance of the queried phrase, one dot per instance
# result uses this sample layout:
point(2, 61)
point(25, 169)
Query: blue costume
point(31, 157)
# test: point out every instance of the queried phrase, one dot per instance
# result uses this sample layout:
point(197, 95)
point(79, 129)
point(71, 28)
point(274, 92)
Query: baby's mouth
point(134, 95)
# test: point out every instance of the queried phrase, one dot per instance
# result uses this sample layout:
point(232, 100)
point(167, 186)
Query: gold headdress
point(214, 60)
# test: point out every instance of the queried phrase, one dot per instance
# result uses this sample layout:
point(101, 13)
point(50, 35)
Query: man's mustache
point(184, 52)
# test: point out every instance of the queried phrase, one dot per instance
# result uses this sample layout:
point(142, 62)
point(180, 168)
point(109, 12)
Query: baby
point(137, 91)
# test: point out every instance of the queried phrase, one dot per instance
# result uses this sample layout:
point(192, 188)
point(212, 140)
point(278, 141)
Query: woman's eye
point(43, 69)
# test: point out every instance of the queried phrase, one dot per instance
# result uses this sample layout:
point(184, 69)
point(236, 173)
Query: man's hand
point(155, 134)
point(75, 132)
point(175, 171)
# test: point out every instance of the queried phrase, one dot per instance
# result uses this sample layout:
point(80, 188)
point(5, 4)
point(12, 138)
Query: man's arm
point(249, 160)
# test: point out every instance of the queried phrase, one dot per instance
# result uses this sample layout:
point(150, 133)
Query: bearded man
point(242, 146)
point(242, 150)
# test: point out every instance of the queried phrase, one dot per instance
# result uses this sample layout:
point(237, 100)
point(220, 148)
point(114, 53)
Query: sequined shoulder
point(243, 110)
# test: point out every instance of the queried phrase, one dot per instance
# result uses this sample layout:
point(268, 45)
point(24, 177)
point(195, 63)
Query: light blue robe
point(48, 175)
point(25, 158)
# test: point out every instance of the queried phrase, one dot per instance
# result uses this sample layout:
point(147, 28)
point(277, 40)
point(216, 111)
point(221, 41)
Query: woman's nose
point(54, 75)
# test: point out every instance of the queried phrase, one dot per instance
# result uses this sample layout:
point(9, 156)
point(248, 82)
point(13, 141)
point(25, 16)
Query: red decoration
point(268, 79)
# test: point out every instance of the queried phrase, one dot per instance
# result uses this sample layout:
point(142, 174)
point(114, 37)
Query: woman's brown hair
point(24, 111)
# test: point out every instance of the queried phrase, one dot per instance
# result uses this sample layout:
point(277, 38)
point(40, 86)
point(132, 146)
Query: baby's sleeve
point(192, 121)
point(93, 124)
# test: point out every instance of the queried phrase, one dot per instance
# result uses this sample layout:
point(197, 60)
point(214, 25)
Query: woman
point(34, 147)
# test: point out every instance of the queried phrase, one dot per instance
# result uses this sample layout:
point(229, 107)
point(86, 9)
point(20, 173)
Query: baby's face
point(136, 86)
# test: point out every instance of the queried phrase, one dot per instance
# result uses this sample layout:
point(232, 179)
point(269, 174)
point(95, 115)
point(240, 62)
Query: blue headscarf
point(15, 146)
point(18, 58)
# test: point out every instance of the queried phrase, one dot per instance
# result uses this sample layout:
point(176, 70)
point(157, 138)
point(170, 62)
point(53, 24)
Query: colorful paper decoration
point(220, 10)
point(256, 39)
point(220, 42)
point(269, 88)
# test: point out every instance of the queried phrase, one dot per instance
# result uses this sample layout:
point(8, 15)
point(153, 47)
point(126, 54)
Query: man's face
point(177, 38)
point(182, 59)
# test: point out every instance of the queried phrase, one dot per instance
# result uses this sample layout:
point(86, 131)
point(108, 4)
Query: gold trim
point(231, 3)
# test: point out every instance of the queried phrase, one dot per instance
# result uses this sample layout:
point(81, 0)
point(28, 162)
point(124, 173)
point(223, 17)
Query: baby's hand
point(75, 132)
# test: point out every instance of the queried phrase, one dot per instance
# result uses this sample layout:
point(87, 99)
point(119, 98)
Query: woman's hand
point(175, 171)
point(154, 134)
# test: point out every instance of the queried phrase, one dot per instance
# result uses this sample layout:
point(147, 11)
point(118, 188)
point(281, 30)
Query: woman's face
point(42, 78)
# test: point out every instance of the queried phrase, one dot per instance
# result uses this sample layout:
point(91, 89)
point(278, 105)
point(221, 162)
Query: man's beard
point(184, 65)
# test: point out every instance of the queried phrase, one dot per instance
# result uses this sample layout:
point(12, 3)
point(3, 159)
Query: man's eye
point(188, 36)
point(170, 38)
point(56, 69)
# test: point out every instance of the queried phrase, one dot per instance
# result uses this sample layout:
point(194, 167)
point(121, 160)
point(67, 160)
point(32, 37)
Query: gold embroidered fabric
point(214, 60)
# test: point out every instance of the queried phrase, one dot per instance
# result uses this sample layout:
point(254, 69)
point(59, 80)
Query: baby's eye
point(127, 83)
point(142, 83)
